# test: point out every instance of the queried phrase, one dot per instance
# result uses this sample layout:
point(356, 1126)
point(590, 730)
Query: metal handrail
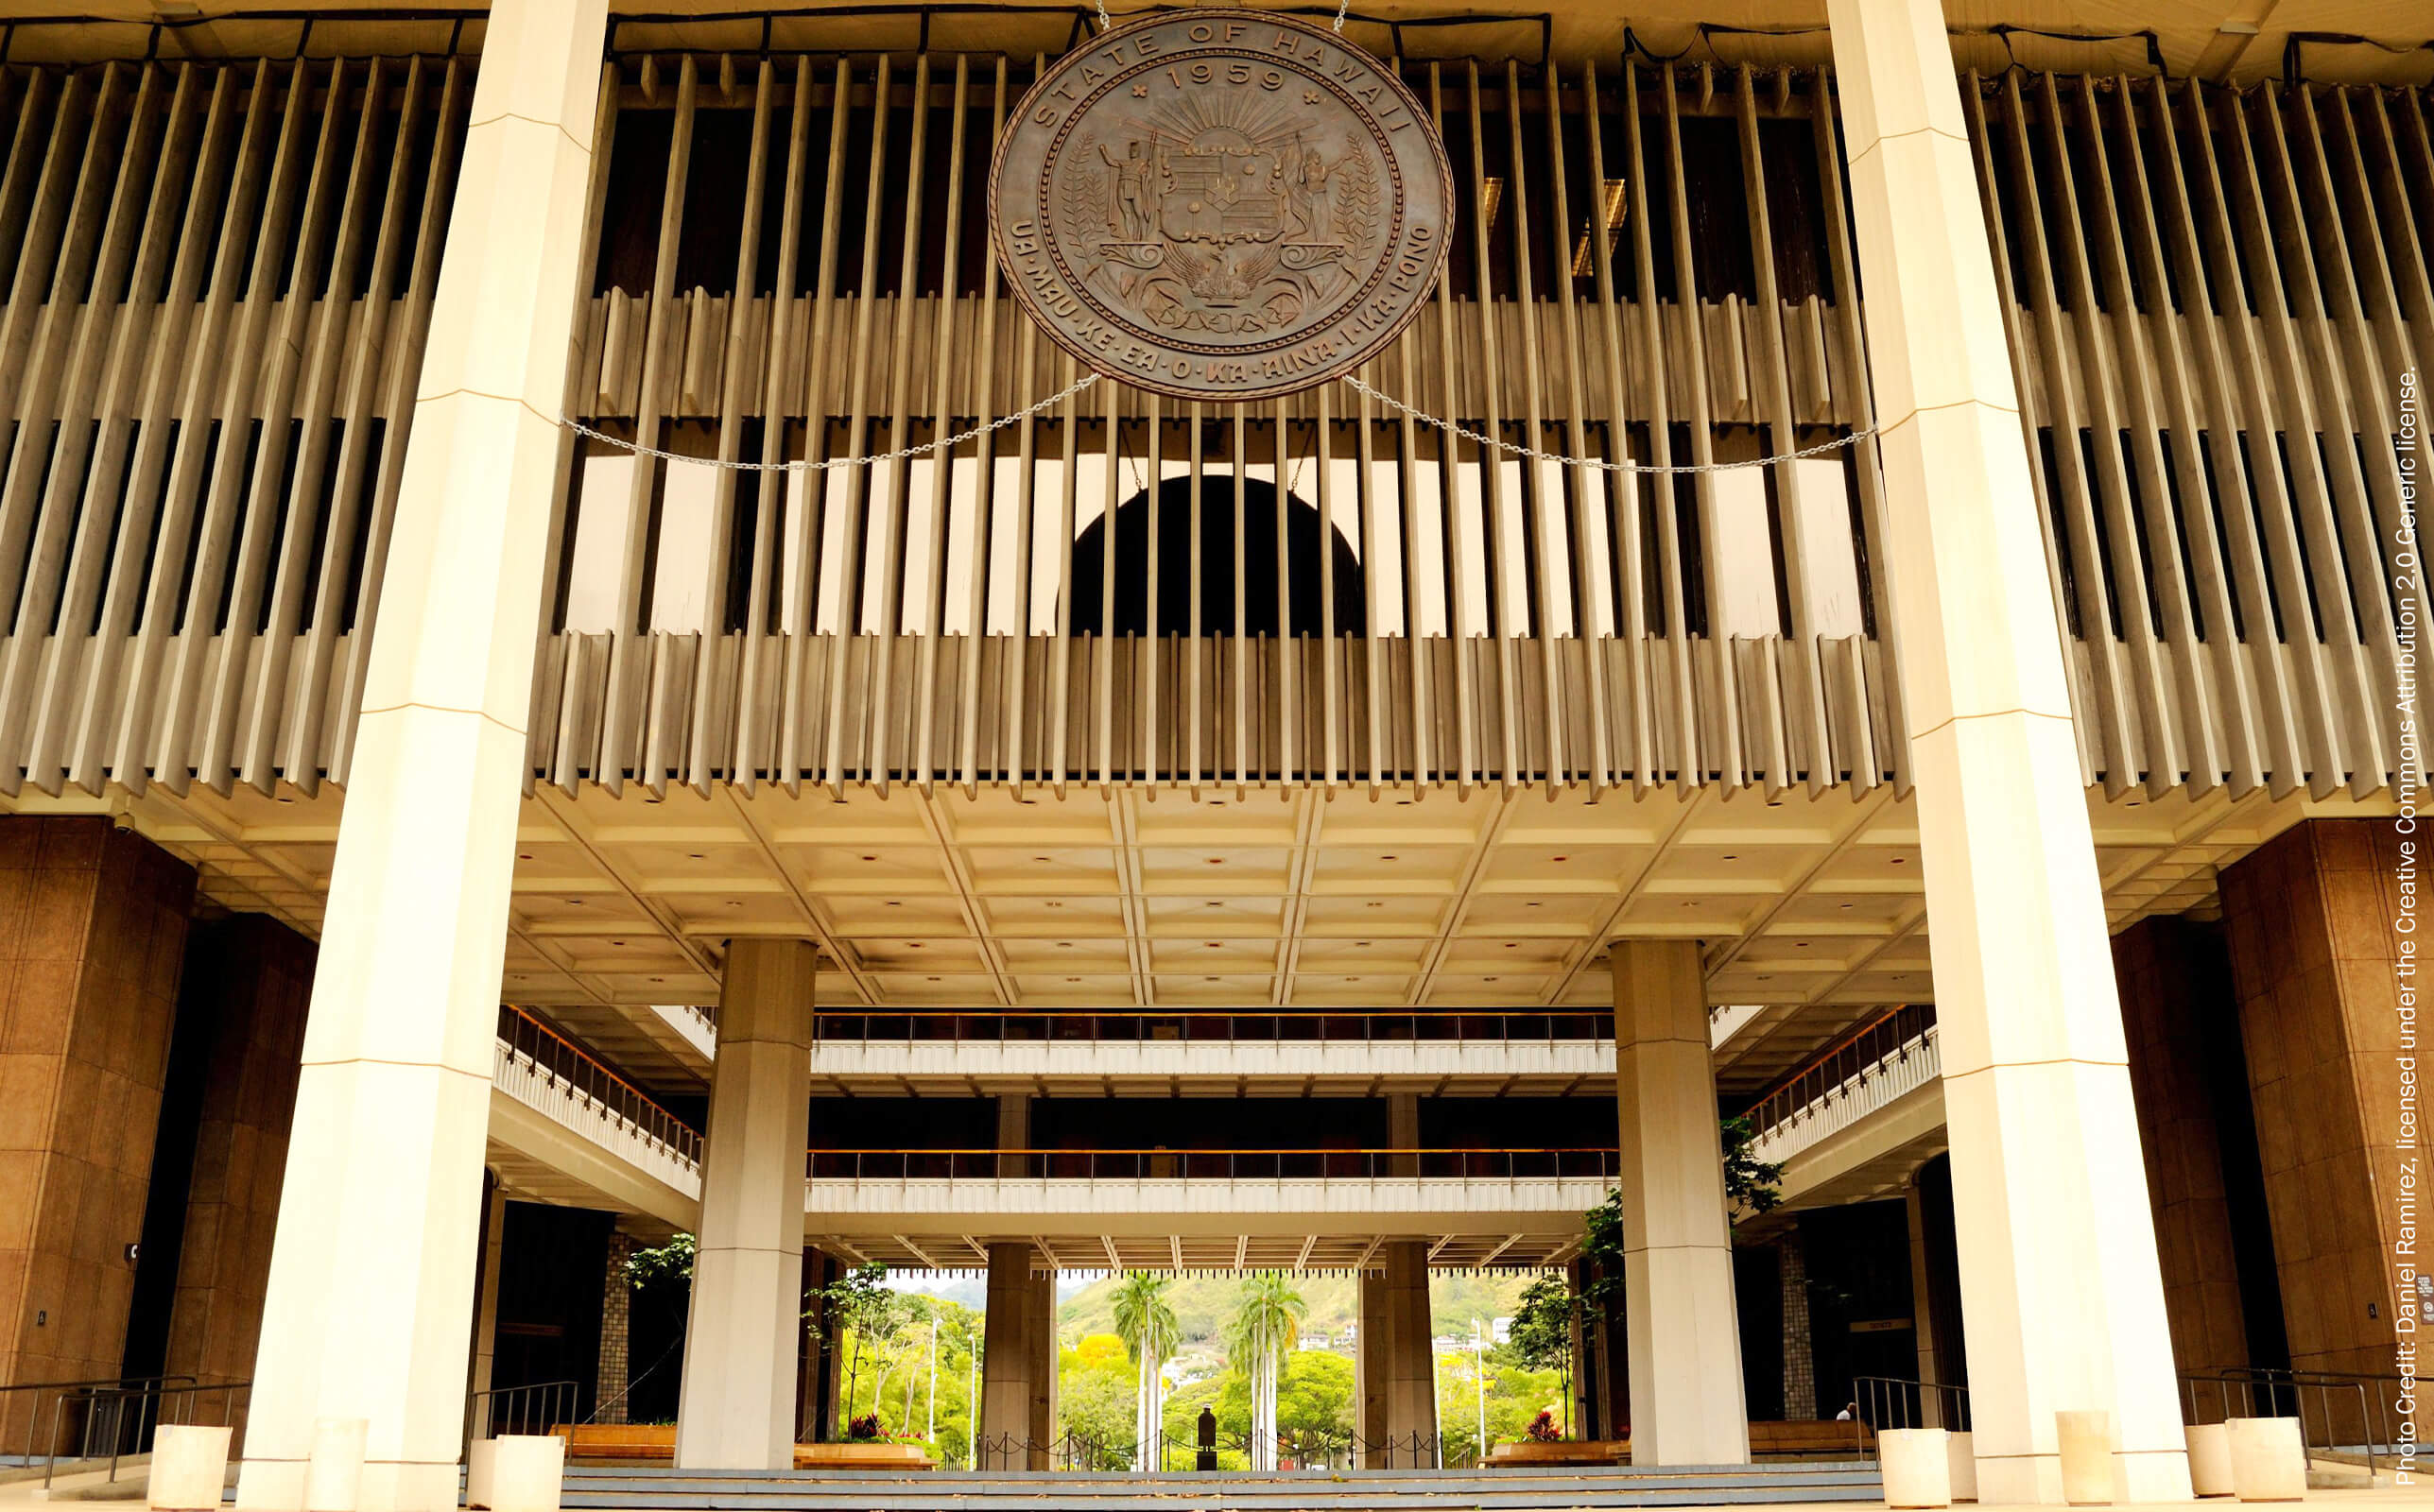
point(2265, 1389)
point(1890, 1038)
point(33, 1415)
point(151, 1399)
point(561, 1057)
point(1896, 1402)
point(1164, 1164)
point(898, 1027)
point(535, 1407)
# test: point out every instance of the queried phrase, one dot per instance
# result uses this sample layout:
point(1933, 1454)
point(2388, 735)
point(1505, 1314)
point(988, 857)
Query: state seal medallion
point(1221, 204)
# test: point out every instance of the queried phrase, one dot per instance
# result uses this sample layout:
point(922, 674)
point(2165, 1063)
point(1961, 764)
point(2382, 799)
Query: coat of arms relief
point(1221, 215)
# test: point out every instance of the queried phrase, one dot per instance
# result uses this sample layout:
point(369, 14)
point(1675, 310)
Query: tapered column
point(1015, 1403)
point(1397, 1381)
point(1683, 1335)
point(2062, 1304)
point(743, 1333)
point(369, 1309)
point(486, 1302)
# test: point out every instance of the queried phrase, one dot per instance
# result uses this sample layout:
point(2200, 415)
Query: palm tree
point(1267, 1322)
point(1144, 1320)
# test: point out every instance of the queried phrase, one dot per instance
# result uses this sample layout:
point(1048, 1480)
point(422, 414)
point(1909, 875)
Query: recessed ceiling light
point(523, 856)
point(1562, 858)
point(1386, 858)
point(1732, 858)
point(695, 855)
point(869, 858)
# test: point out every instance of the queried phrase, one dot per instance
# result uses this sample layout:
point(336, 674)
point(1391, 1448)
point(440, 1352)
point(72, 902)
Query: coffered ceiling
point(1148, 898)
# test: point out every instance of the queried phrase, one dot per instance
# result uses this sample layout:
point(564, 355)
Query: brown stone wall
point(2307, 917)
point(92, 934)
point(2170, 1001)
point(251, 980)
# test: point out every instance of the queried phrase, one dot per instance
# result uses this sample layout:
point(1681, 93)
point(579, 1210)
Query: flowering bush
point(1543, 1429)
point(865, 1429)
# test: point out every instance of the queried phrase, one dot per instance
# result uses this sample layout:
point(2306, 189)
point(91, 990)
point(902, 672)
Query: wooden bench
point(1791, 1440)
point(617, 1441)
point(1817, 1438)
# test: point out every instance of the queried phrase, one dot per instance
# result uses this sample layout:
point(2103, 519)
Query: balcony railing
point(1156, 1164)
point(1888, 1058)
point(542, 1070)
point(1124, 1028)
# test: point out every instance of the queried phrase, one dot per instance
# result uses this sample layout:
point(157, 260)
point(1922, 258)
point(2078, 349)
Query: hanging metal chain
point(1069, 390)
point(1342, 6)
point(1602, 464)
point(808, 465)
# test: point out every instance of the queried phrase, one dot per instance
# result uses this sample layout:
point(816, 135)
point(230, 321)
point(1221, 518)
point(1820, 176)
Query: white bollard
point(2269, 1462)
point(189, 1468)
point(1917, 1465)
point(481, 1463)
point(334, 1476)
point(1964, 1457)
point(2210, 1459)
point(526, 1472)
point(2085, 1439)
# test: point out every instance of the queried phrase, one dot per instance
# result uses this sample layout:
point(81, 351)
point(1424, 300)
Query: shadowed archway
point(1216, 565)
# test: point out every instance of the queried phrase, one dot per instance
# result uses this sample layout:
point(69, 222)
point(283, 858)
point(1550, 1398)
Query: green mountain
point(1201, 1305)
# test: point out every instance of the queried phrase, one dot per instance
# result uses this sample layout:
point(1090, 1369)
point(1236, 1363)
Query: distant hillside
point(1203, 1303)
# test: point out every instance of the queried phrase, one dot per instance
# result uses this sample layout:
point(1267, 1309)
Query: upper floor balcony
point(1468, 1052)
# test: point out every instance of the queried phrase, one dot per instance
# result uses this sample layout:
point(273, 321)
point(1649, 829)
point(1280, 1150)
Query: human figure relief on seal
point(1221, 215)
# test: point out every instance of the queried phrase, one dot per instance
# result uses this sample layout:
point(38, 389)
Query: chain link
point(808, 465)
point(1069, 390)
point(1600, 463)
point(1342, 8)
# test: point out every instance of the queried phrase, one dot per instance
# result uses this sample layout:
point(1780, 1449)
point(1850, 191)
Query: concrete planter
point(526, 1472)
point(1963, 1455)
point(481, 1466)
point(1569, 1451)
point(2086, 1442)
point(2269, 1462)
point(189, 1468)
point(1917, 1464)
point(2210, 1459)
point(873, 1456)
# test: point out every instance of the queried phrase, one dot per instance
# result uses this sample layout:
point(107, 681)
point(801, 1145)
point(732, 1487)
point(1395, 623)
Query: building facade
point(469, 548)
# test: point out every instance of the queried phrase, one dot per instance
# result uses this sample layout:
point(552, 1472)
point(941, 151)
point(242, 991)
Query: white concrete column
point(368, 1312)
point(2062, 1301)
point(1682, 1330)
point(736, 1408)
